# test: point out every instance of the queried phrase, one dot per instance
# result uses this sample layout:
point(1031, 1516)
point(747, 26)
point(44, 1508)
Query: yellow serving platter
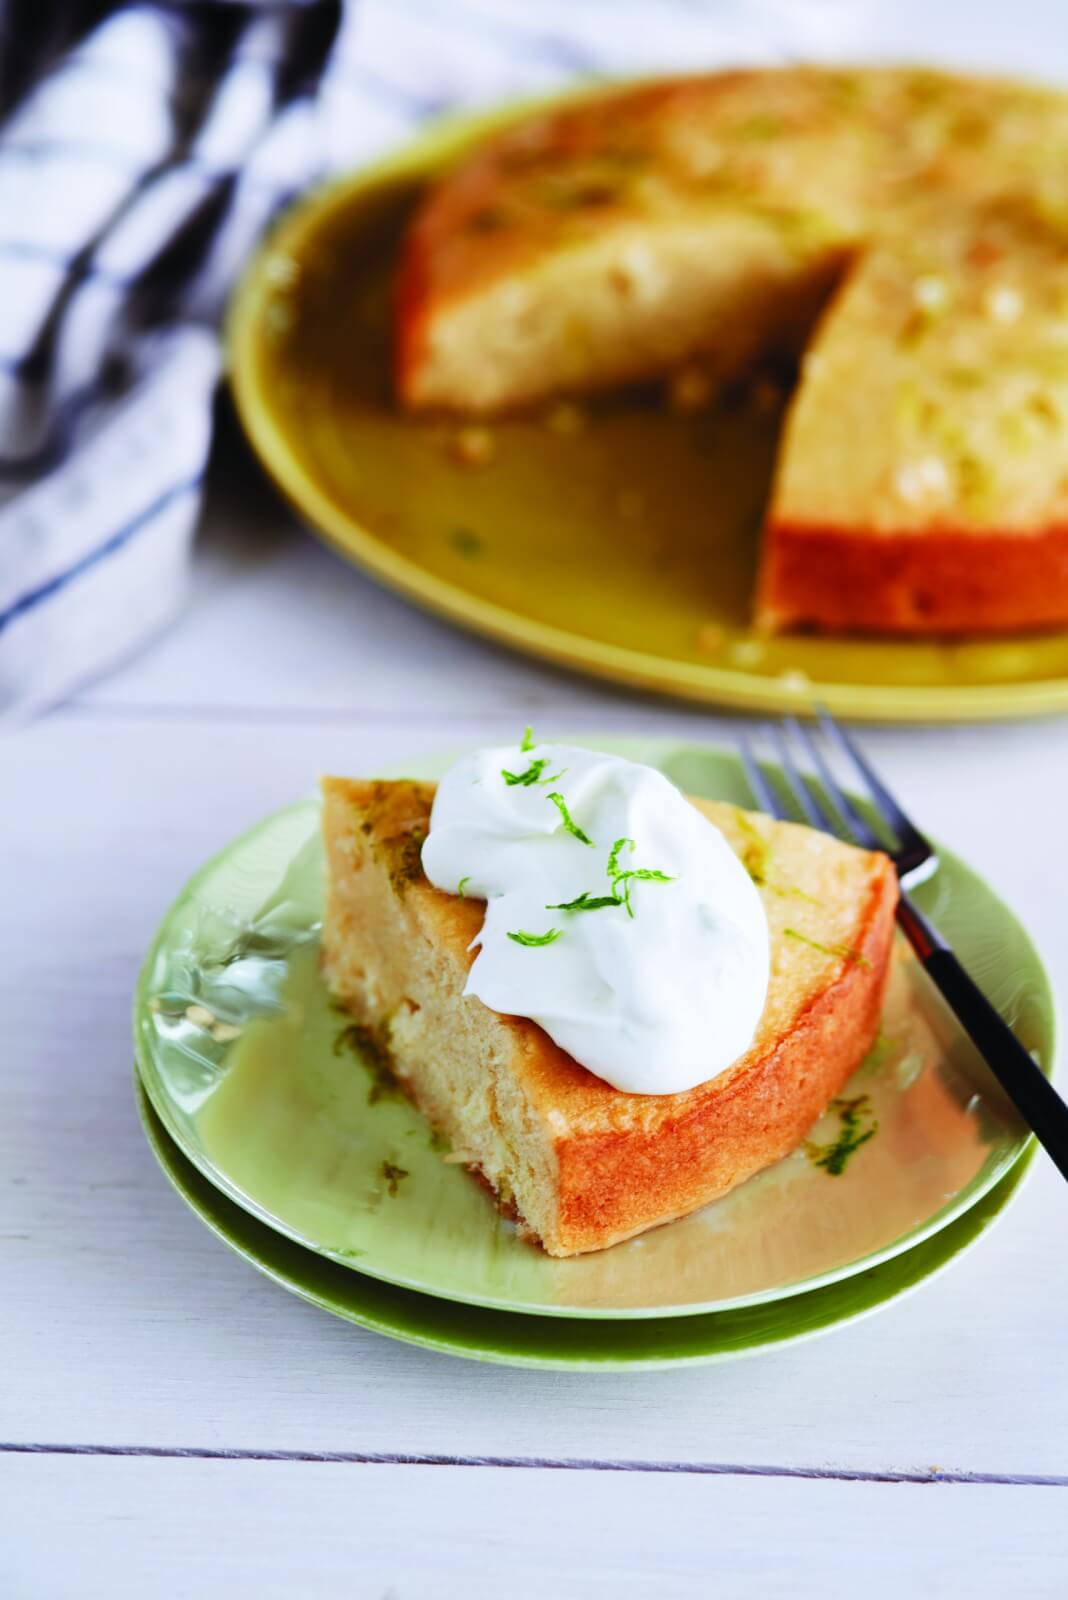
point(618, 538)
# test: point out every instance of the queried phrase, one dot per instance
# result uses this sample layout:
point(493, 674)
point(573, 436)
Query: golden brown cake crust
point(948, 581)
point(625, 1162)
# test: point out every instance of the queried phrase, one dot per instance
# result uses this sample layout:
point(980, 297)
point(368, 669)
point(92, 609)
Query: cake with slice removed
point(907, 229)
point(582, 1165)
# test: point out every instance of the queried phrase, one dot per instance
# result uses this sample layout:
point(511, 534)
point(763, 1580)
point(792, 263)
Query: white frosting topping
point(657, 990)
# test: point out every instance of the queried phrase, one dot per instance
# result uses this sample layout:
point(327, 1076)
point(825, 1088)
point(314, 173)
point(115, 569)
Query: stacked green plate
point(278, 1129)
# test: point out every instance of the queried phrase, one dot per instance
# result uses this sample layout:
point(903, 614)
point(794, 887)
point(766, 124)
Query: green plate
point(554, 1342)
point(262, 1085)
point(653, 517)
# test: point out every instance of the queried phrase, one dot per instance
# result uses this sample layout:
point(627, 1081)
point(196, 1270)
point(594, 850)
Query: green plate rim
point(512, 1338)
point(935, 1224)
point(730, 687)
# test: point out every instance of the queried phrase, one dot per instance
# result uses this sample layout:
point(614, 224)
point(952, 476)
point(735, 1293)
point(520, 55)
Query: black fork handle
point(1019, 1075)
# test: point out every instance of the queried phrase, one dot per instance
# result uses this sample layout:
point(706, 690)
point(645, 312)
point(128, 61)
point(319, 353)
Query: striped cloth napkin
point(143, 149)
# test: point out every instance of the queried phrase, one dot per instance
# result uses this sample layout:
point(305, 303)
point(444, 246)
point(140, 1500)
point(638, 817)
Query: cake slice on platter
point(579, 1162)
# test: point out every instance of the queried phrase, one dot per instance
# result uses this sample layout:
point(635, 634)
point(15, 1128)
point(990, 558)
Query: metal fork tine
point(763, 793)
point(885, 804)
point(815, 814)
point(851, 818)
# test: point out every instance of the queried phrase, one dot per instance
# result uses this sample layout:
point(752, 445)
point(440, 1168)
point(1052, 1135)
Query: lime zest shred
point(621, 881)
point(614, 855)
point(637, 875)
point(570, 825)
point(792, 892)
point(460, 886)
point(586, 902)
point(834, 1157)
point(532, 775)
point(533, 941)
point(527, 741)
point(844, 952)
point(392, 1175)
point(629, 876)
point(466, 542)
point(755, 857)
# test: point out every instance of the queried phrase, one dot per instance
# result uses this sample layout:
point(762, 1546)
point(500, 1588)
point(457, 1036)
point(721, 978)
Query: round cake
point(901, 234)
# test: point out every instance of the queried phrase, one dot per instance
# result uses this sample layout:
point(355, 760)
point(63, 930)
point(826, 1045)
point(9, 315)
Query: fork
point(1034, 1097)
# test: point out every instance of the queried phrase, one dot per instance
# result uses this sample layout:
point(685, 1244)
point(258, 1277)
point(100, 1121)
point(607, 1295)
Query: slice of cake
point(578, 1163)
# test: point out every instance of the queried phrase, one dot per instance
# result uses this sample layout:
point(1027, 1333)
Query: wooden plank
point(115, 1527)
point(127, 1323)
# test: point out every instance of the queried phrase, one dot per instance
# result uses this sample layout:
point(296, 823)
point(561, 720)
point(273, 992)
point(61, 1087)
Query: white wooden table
point(174, 1424)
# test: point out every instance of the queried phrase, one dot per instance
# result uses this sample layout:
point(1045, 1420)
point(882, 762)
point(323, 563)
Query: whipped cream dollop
point(617, 916)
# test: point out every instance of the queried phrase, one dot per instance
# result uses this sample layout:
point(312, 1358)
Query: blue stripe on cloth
point(297, 66)
point(282, 195)
point(111, 544)
point(107, 382)
point(24, 249)
point(192, 82)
